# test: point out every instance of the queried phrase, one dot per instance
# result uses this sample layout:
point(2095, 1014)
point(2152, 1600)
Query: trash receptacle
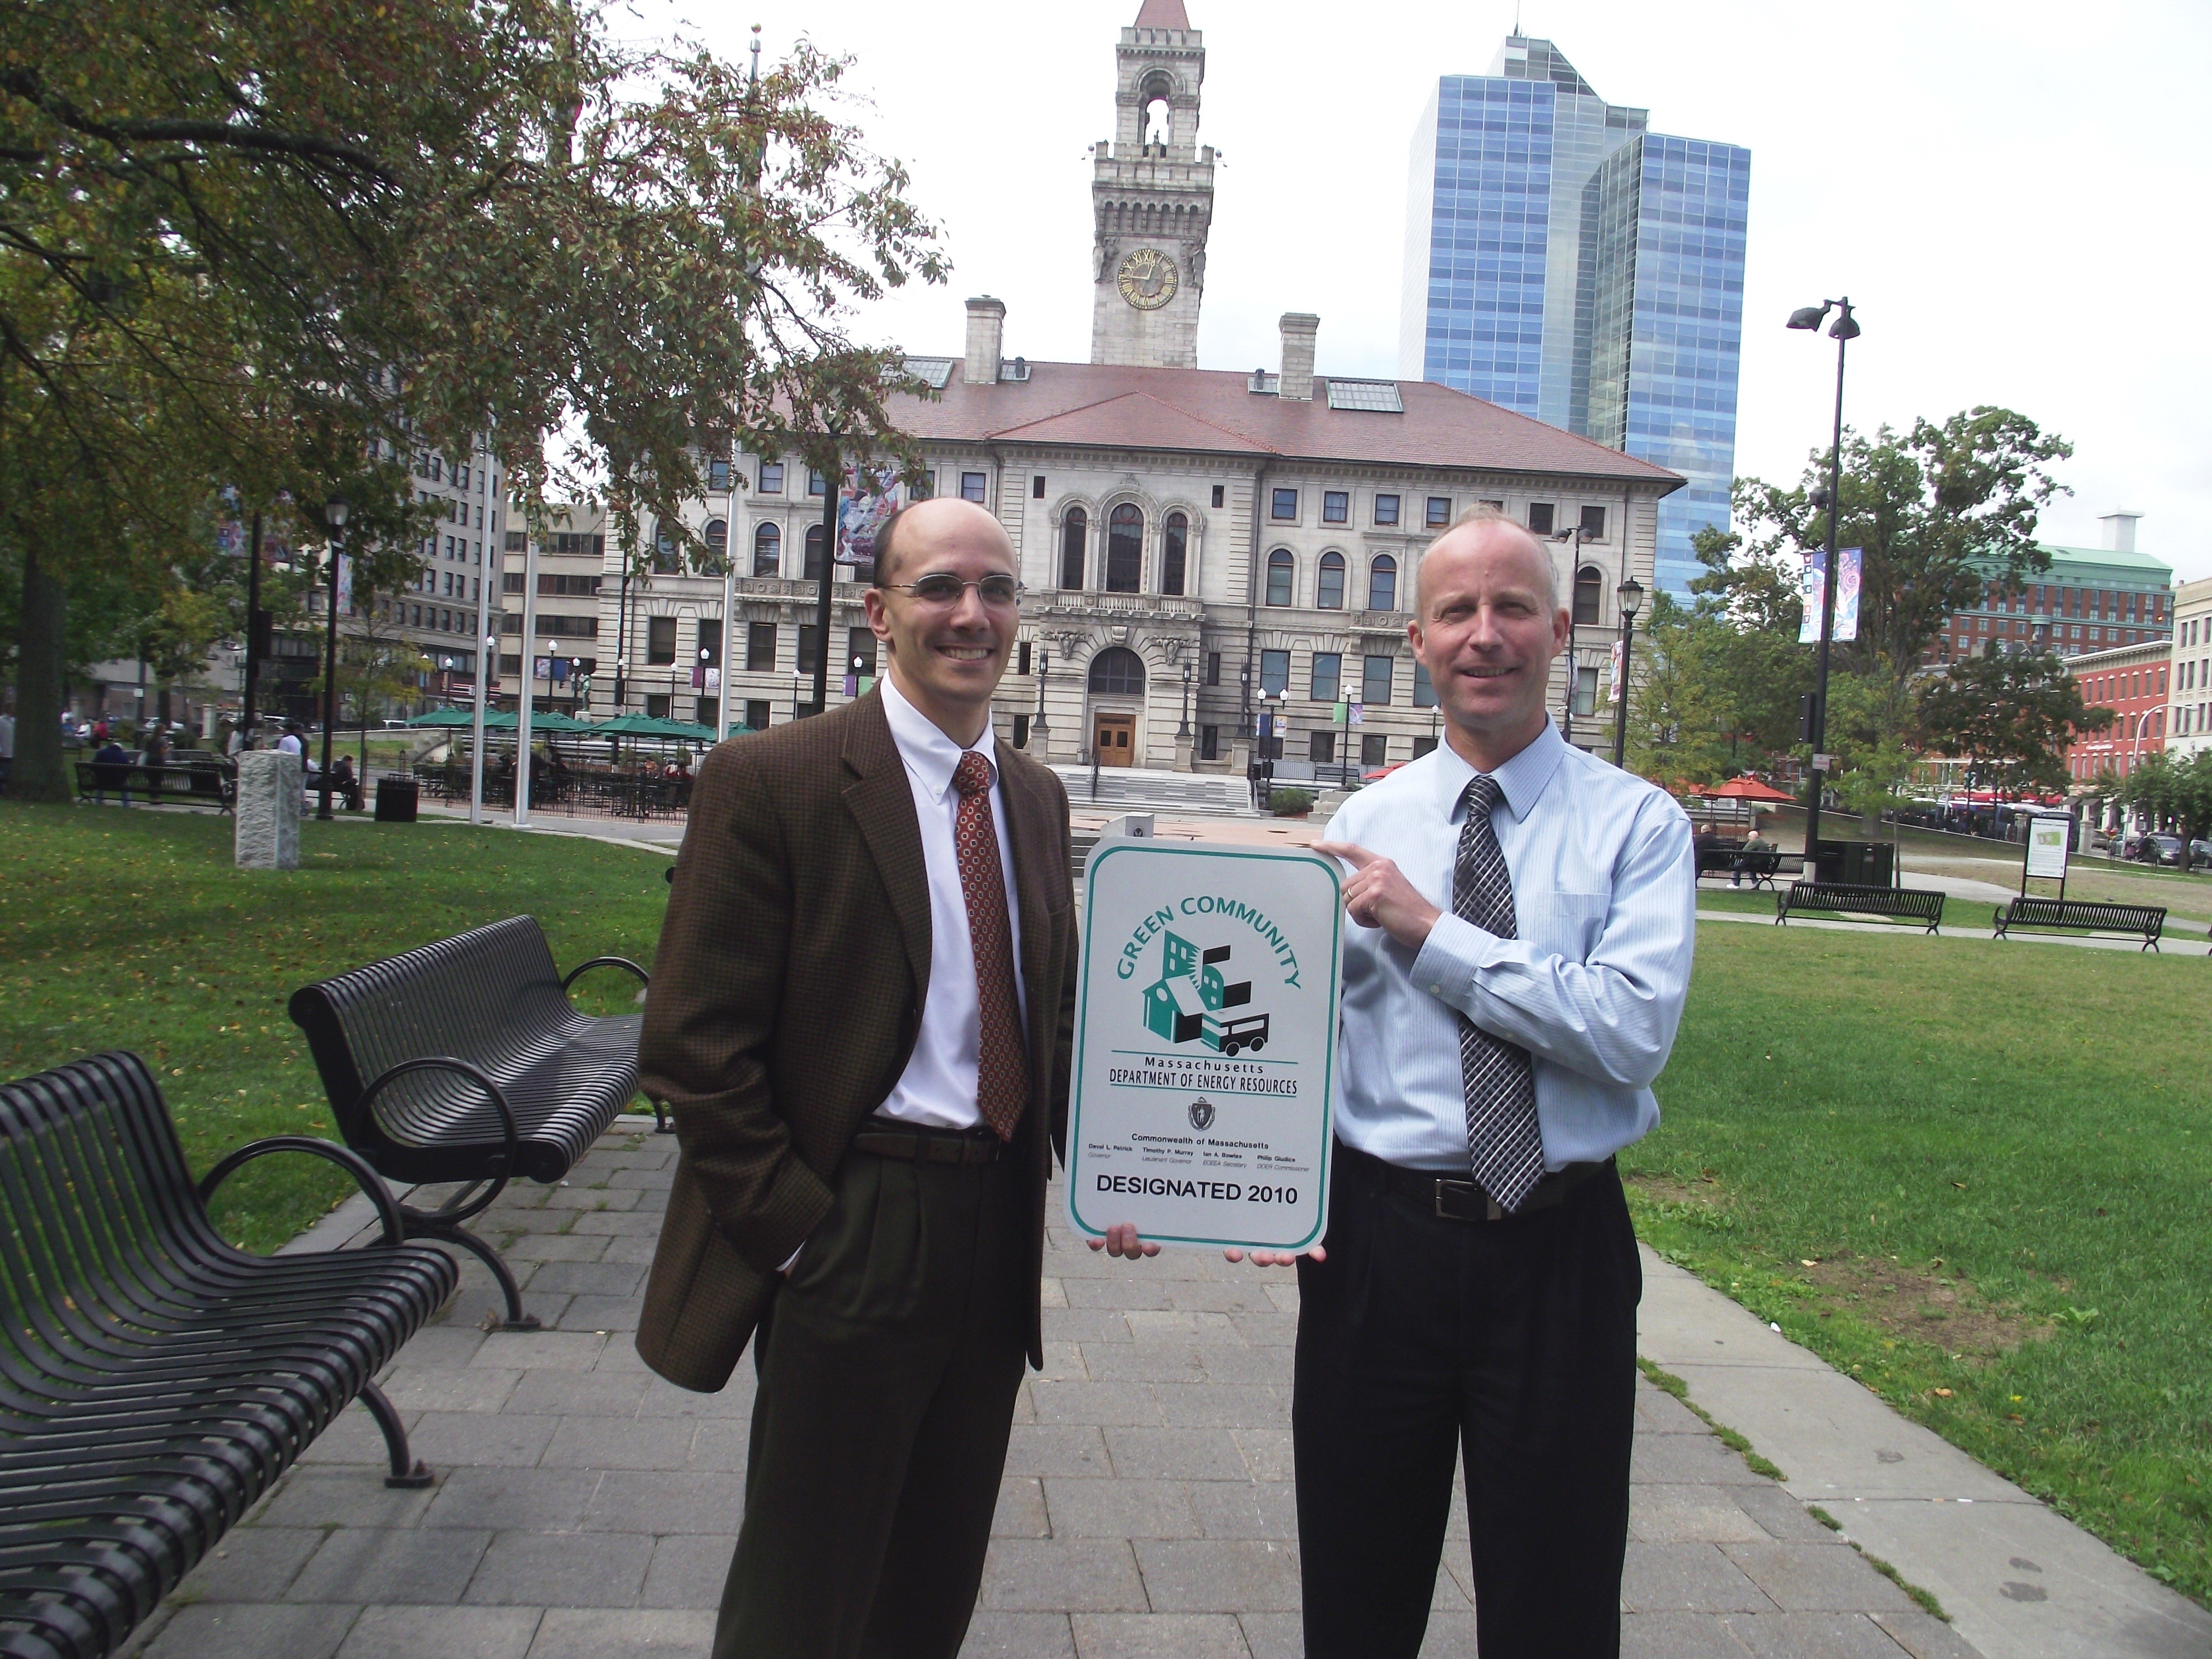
point(395, 800)
point(1853, 863)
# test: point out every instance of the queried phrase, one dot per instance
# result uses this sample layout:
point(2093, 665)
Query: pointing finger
point(1353, 854)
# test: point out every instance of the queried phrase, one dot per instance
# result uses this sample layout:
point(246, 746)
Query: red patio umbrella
point(1748, 789)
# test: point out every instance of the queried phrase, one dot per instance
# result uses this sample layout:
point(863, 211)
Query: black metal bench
point(209, 782)
point(1761, 868)
point(1861, 903)
point(464, 1061)
point(154, 1382)
point(2143, 921)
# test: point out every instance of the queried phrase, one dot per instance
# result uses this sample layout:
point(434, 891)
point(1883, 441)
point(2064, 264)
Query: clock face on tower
point(1148, 279)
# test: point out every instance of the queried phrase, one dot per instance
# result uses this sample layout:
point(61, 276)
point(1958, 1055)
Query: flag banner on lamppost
point(1359, 714)
point(541, 668)
point(1848, 562)
point(871, 495)
point(1206, 1045)
point(345, 582)
point(1613, 685)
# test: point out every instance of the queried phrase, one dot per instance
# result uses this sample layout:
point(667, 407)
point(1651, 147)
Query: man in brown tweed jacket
point(860, 1015)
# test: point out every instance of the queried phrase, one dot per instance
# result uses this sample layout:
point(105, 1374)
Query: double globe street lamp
point(1630, 596)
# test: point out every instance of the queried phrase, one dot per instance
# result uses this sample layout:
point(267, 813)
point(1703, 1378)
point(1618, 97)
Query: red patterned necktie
point(1000, 1089)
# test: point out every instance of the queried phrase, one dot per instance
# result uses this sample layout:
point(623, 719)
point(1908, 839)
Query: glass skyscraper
point(1567, 264)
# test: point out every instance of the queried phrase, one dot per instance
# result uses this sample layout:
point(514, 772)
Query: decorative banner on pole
point(1848, 562)
point(871, 495)
point(1613, 685)
point(345, 582)
point(1206, 1045)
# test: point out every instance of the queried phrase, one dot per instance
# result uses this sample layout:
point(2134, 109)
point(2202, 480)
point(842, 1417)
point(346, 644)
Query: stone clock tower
point(1152, 194)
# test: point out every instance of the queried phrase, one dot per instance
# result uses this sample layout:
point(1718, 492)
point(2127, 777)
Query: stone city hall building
point(1191, 540)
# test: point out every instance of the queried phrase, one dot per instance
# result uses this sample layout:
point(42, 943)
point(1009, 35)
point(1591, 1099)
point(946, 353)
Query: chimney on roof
point(2119, 529)
point(1299, 328)
point(986, 329)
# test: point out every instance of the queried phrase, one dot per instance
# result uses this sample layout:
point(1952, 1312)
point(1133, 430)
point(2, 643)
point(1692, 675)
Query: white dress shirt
point(937, 1088)
point(1604, 903)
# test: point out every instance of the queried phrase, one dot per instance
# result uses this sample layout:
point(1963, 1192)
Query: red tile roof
point(1163, 14)
point(1211, 411)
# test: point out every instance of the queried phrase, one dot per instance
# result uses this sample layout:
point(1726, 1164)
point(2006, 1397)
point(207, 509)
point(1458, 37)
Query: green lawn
point(133, 930)
point(1978, 1178)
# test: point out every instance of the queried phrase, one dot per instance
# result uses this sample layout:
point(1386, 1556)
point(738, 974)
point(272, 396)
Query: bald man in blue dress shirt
point(1526, 917)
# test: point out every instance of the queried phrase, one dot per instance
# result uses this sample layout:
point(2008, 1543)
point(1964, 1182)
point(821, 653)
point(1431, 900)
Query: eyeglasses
point(942, 587)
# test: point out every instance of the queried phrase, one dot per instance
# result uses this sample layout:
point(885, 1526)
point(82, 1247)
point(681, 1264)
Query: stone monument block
point(269, 785)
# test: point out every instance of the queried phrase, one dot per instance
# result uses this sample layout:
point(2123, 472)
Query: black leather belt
point(914, 1144)
point(1453, 1199)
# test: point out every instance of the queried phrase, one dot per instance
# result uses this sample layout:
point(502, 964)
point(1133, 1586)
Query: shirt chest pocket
point(1563, 924)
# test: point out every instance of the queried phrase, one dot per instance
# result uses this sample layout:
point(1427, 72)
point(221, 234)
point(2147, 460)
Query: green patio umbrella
point(638, 726)
point(446, 717)
point(557, 722)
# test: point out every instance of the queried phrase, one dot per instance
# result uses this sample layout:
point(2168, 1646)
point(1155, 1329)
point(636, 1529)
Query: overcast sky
point(2013, 194)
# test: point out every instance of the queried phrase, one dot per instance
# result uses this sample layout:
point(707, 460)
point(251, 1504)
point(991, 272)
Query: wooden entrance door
point(1113, 738)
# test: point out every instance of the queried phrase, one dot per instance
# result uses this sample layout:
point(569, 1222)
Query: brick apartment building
point(2132, 682)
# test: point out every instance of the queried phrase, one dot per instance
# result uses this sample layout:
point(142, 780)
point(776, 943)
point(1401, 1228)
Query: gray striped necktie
point(1502, 1137)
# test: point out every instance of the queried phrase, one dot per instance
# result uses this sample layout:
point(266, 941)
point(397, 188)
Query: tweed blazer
point(787, 998)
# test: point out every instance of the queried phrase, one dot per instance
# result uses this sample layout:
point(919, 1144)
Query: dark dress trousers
point(786, 997)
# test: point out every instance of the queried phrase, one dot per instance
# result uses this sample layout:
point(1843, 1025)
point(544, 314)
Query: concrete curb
point(2017, 1577)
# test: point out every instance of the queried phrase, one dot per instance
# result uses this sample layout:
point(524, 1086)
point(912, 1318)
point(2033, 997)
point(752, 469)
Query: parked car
point(2159, 849)
point(2200, 854)
point(2099, 841)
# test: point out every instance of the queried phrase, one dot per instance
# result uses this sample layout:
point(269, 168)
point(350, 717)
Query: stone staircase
point(1169, 794)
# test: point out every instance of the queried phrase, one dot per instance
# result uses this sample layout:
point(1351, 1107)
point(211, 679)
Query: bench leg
point(661, 1126)
point(462, 1238)
point(407, 1469)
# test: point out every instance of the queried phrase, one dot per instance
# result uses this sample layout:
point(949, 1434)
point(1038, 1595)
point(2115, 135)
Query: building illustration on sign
point(1190, 1000)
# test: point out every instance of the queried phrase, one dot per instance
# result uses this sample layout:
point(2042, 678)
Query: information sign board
point(1206, 1035)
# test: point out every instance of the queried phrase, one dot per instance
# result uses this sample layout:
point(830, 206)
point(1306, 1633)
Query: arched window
point(1382, 583)
point(718, 542)
point(816, 545)
point(1125, 550)
point(1328, 591)
point(1173, 539)
point(1117, 672)
point(1278, 576)
point(1159, 118)
point(1073, 532)
point(767, 550)
point(1590, 595)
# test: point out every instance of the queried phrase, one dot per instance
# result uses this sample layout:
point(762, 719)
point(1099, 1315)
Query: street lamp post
point(335, 513)
point(1630, 595)
point(1044, 673)
point(1842, 331)
point(1183, 730)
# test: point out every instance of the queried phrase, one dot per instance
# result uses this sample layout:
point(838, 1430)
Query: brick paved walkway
point(586, 1510)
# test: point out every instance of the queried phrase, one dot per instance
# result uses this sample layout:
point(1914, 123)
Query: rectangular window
point(659, 640)
point(760, 649)
point(757, 714)
point(709, 654)
point(1374, 682)
point(1021, 731)
point(656, 705)
point(1209, 740)
point(1274, 670)
point(1286, 504)
point(1386, 509)
point(1335, 507)
point(1593, 524)
point(517, 541)
point(510, 581)
point(816, 485)
point(771, 478)
point(1214, 668)
point(1586, 690)
point(1022, 660)
point(709, 712)
point(1320, 747)
point(1373, 749)
point(1439, 512)
point(926, 491)
point(1036, 493)
point(1495, 507)
point(718, 473)
point(971, 487)
point(1328, 676)
point(1424, 690)
point(1220, 498)
point(1423, 746)
point(1539, 518)
point(859, 651)
point(810, 648)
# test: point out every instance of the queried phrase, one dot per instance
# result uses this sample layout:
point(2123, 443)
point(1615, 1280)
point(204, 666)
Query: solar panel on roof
point(1375, 397)
point(934, 370)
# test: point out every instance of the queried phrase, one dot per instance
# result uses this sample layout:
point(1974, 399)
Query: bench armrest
point(387, 1211)
point(457, 1209)
point(583, 968)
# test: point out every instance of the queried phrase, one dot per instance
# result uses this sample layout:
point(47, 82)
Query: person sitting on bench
point(1746, 856)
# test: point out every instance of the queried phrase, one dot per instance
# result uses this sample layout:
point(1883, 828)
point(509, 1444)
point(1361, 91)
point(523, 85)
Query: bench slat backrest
point(491, 996)
point(96, 1204)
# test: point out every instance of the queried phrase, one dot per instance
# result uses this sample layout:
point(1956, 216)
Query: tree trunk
point(40, 662)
